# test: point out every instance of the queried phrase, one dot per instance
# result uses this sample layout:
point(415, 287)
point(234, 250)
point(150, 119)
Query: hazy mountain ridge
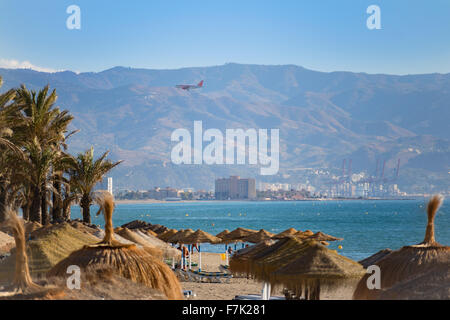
point(323, 118)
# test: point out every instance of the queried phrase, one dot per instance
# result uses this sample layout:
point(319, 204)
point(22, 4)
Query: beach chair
point(215, 277)
point(224, 268)
point(256, 297)
point(189, 294)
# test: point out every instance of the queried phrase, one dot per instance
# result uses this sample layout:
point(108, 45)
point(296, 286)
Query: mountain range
point(323, 118)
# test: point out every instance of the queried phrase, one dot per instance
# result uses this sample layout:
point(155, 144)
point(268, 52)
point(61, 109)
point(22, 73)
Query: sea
point(367, 226)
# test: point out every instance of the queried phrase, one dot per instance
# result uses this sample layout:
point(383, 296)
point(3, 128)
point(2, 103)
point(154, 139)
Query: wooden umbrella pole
point(199, 259)
point(190, 256)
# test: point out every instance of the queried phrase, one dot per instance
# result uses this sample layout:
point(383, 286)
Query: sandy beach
point(241, 286)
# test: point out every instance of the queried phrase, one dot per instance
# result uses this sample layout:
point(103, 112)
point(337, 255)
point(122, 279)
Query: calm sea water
point(366, 226)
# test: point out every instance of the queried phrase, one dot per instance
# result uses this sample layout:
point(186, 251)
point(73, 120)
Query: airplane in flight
point(190, 86)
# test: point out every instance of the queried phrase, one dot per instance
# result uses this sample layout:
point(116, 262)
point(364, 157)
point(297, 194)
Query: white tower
point(110, 185)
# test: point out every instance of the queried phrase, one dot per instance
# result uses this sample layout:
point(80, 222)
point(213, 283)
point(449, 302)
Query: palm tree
point(86, 172)
point(41, 128)
point(8, 151)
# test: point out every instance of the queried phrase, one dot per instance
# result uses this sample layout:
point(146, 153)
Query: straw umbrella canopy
point(261, 264)
point(373, 259)
point(237, 235)
point(259, 236)
point(223, 233)
point(180, 236)
point(167, 234)
point(433, 285)
point(22, 282)
point(128, 260)
point(315, 266)
point(320, 236)
point(303, 234)
point(410, 261)
point(241, 260)
point(285, 233)
point(201, 236)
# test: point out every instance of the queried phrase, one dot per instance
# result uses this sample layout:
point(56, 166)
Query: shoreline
point(151, 201)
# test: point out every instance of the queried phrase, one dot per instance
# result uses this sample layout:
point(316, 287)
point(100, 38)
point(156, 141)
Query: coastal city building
point(235, 188)
point(105, 184)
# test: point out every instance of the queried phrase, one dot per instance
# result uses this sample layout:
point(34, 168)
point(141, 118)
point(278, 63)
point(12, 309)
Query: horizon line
point(224, 64)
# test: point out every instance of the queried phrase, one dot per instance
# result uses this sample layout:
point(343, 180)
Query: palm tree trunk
point(2, 204)
point(35, 210)
point(57, 207)
point(85, 205)
point(66, 212)
point(44, 211)
point(26, 211)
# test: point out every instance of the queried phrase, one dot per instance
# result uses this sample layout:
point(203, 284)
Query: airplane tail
point(200, 84)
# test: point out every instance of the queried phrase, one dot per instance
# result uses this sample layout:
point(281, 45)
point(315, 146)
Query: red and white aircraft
point(190, 86)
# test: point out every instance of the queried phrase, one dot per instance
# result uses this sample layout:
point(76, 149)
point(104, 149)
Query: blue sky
point(319, 35)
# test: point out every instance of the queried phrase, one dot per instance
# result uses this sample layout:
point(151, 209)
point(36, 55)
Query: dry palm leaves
point(410, 261)
point(128, 260)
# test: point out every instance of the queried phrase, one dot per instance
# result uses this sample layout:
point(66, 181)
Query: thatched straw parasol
point(262, 263)
point(410, 261)
point(199, 237)
point(432, 285)
point(48, 245)
point(259, 236)
point(241, 260)
point(149, 232)
point(139, 240)
point(128, 260)
point(22, 282)
point(6, 242)
point(166, 235)
point(237, 235)
point(303, 234)
point(314, 267)
point(180, 236)
point(319, 236)
point(223, 233)
point(373, 259)
point(285, 233)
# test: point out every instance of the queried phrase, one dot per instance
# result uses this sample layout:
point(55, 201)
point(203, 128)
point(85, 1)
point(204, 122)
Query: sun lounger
point(224, 268)
point(200, 276)
point(188, 294)
point(256, 297)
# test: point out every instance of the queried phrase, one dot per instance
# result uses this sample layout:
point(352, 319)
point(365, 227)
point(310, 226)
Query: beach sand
point(242, 286)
